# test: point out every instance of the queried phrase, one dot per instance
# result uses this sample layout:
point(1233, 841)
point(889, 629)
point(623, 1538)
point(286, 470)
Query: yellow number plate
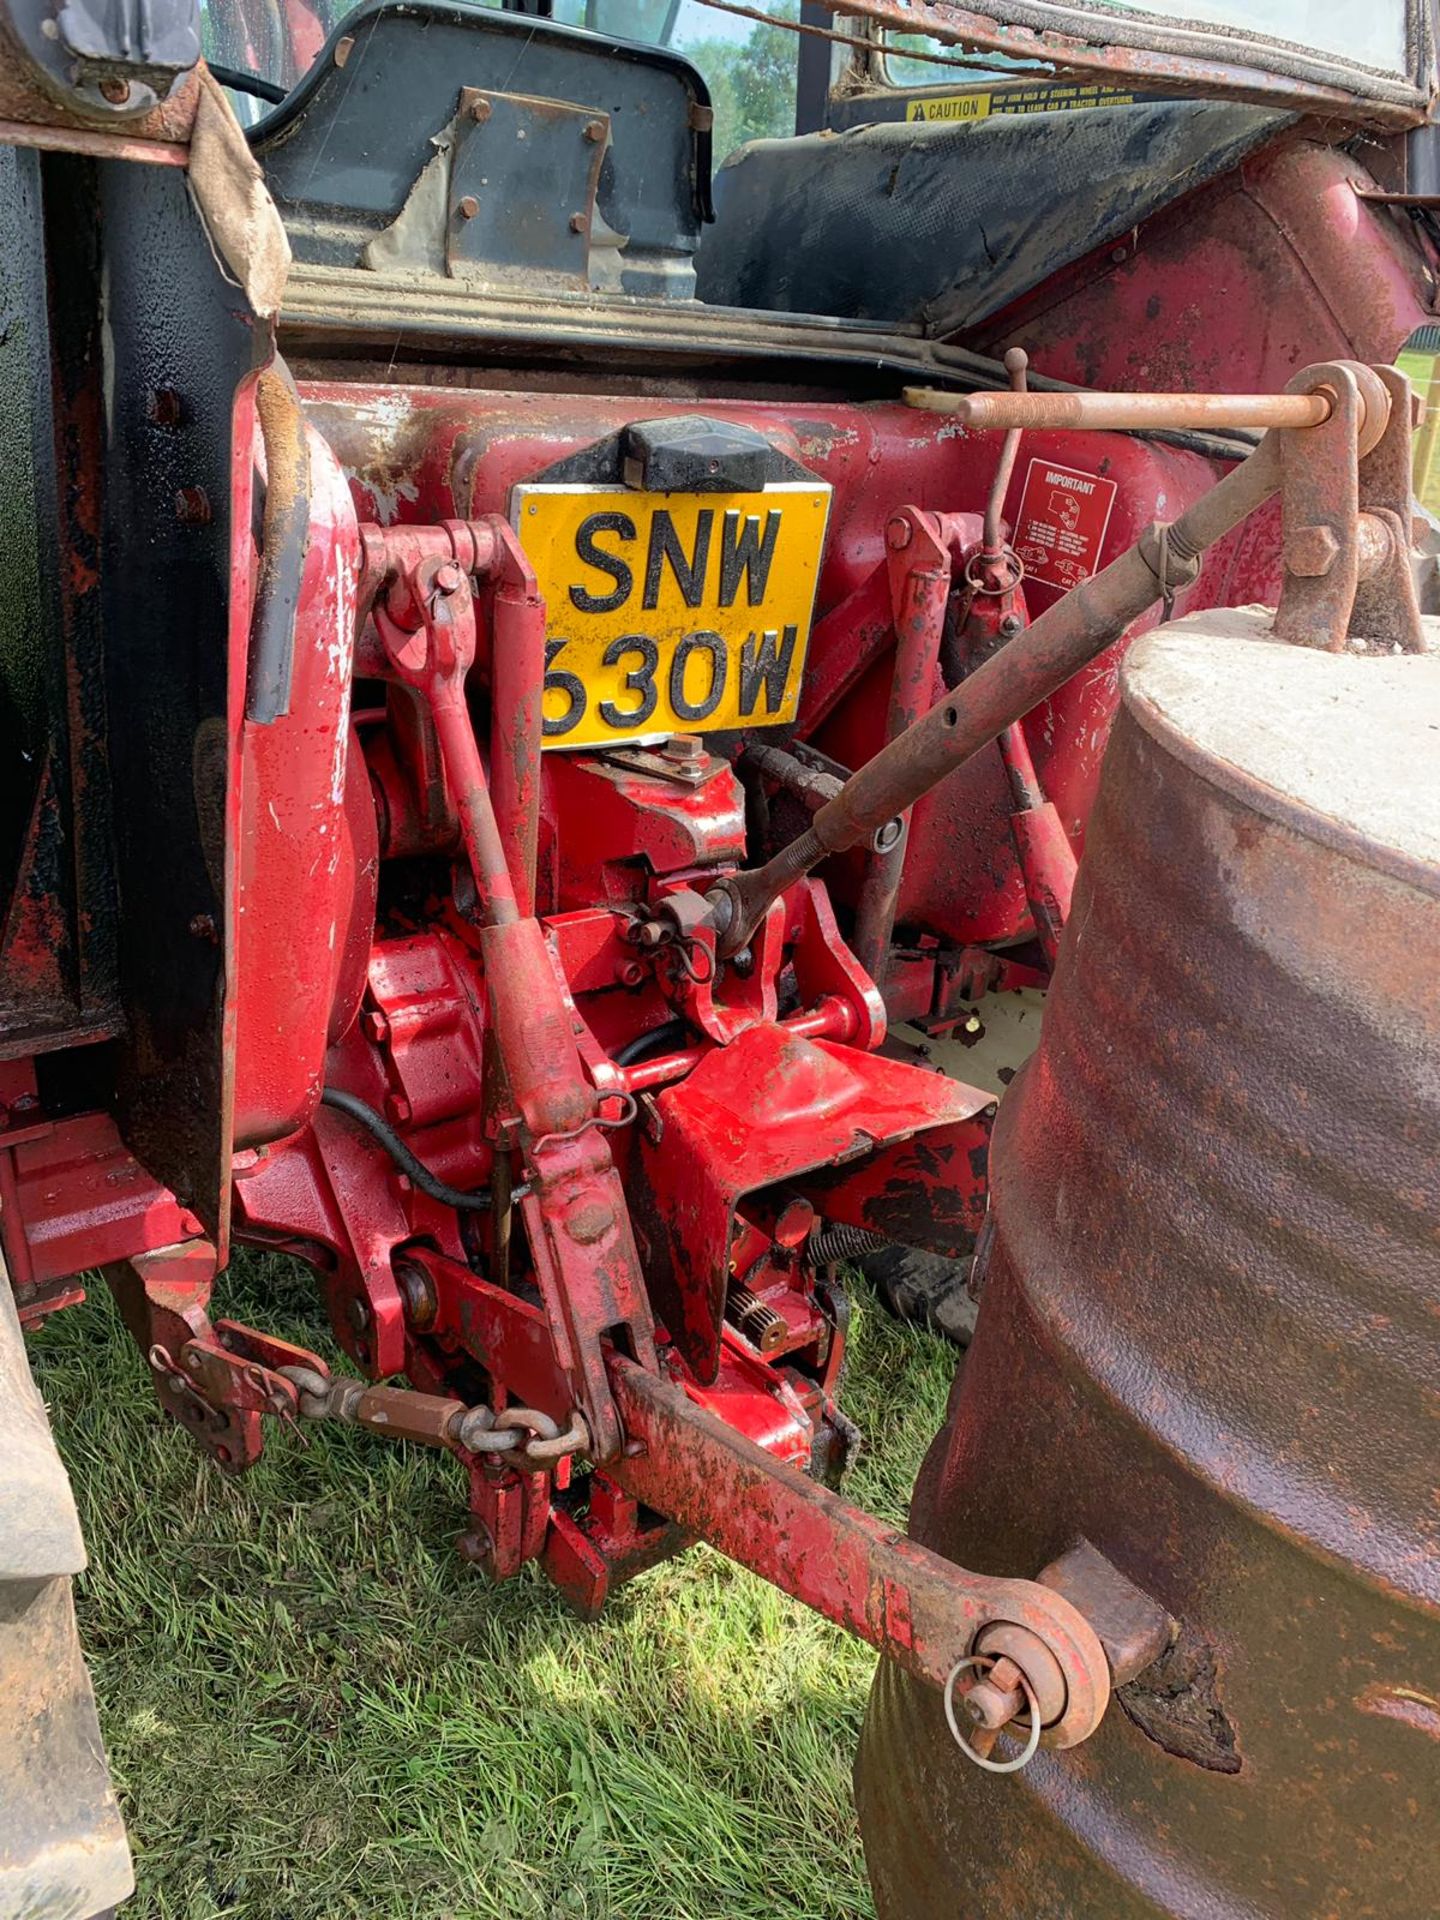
point(672, 612)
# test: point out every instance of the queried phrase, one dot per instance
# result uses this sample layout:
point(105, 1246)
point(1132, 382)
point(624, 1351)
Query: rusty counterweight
point(1215, 1269)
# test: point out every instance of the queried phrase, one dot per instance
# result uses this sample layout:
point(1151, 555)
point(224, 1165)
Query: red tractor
point(536, 683)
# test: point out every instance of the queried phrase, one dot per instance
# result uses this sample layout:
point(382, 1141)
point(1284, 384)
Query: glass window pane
point(903, 70)
point(749, 68)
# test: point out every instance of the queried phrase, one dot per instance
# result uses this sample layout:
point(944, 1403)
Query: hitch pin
point(1017, 363)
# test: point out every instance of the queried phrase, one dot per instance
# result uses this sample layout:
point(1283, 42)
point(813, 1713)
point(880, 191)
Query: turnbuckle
point(523, 1435)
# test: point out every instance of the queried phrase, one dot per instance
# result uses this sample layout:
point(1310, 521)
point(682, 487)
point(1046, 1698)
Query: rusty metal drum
point(1209, 1333)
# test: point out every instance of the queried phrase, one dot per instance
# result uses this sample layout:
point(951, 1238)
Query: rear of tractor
point(504, 744)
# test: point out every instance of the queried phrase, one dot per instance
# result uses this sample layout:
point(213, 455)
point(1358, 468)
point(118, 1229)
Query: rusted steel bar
point(920, 604)
point(1017, 363)
point(1065, 638)
point(517, 680)
point(1012, 412)
point(811, 786)
point(920, 1610)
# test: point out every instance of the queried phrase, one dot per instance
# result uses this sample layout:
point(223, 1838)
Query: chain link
point(524, 1433)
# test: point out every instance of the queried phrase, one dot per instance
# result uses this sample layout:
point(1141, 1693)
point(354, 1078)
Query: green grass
point(315, 1710)
point(1420, 369)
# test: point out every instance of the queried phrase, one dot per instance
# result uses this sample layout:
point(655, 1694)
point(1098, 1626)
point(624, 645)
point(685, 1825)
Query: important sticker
point(1061, 525)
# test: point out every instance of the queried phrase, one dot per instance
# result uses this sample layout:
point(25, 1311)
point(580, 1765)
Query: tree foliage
point(752, 81)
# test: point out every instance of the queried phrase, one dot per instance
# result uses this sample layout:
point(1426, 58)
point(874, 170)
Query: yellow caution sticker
point(1038, 99)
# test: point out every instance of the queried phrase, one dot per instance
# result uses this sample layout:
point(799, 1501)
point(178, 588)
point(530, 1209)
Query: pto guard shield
point(872, 1143)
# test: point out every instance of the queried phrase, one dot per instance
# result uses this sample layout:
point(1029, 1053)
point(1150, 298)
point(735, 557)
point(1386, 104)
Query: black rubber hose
point(239, 81)
point(666, 1038)
point(420, 1176)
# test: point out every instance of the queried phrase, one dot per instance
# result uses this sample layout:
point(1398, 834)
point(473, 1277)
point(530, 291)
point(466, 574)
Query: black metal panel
point(343, 153)
point(529, 222)
point(948, 223)
point(113, 59)
point(812, 70)
point(177, 328)
point(57, 962)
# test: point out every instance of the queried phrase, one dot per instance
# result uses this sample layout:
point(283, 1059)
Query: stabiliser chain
point(520, 1434)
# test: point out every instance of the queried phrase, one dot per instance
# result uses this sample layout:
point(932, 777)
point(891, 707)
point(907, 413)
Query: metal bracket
point(524, 173)
point(1346, 512)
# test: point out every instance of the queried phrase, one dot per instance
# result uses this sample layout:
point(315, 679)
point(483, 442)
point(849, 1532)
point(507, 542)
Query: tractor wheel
point(62, 1842)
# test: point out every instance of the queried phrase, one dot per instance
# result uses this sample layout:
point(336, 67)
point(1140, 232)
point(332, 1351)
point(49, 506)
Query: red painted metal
point(421, 454)
point(598, 1135)
point(72, 1196)
point(824, 1106)
point(1285, 235)
point(307, 849)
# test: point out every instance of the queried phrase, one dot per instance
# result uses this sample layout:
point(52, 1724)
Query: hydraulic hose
point(666, 1038)
point(414, 1170)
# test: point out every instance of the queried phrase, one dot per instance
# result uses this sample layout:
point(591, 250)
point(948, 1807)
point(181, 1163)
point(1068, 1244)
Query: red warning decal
point(1061, 524)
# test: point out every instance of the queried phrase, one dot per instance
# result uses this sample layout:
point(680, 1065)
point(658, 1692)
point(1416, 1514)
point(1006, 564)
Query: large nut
point(1310, 552)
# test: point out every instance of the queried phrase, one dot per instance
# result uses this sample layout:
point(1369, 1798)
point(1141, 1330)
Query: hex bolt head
point(192, 507)
point(448, 577)
point(898, 535)
point(475, 1546)
point(115, 90)
point(1010, 625)
point(588, 1221)
point(595, 131)
point(1310, 552)
point(164, 407)
point(683, 746)
point(578, 223)
point(468, 207)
